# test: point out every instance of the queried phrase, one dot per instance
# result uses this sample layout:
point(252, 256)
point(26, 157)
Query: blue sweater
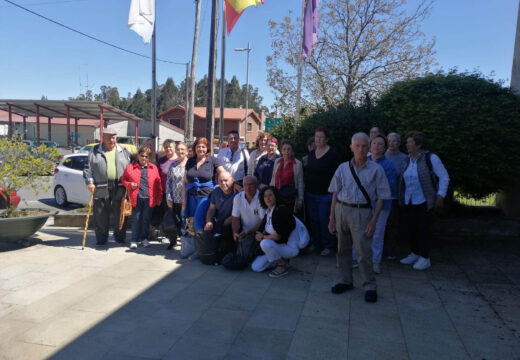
point(391, 175)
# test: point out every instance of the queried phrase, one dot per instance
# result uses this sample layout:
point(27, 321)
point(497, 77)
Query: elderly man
point(247, 215)
point(236, 159)
point(106, 163)
point(358, 189)
point(217, 240)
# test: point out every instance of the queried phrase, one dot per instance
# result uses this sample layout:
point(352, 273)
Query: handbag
point(287, 192)
point(126, 209)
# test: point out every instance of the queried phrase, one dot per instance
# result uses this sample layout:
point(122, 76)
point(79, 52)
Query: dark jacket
point(283, 222)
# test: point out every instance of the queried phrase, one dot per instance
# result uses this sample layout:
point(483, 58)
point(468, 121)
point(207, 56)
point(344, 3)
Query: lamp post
point(248, 49)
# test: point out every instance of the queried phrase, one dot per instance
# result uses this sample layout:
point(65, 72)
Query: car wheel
point(60, 196)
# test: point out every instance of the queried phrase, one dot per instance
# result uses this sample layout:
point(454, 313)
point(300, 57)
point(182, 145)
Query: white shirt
point(250, 214)
point(269, 222)
point(234, 162)
point(413, 192)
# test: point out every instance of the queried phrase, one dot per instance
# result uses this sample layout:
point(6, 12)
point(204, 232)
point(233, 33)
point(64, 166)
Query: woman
point(321, 165)
point(174, 184)
point(143, 183)
point(165, 161)
point(273, 234)
point(288, 177)
point(150, 143)
point(377, 149)
point(310, 147)
point(423, 186)
point(261, 150)
point(199, 181)
point(264, 168)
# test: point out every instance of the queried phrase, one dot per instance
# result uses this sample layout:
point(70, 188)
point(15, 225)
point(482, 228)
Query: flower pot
point(19, 228)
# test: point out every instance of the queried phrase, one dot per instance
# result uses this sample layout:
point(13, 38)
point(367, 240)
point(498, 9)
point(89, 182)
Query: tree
point(363, 46)
point(470, 121)
point(169, 96)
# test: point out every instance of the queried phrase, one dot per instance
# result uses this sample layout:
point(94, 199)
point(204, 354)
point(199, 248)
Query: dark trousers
point(395, 229)
point(103, 208)
point(141, 220)
point(418, 220)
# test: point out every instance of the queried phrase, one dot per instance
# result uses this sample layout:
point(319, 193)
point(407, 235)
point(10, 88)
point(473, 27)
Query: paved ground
point(59, 302)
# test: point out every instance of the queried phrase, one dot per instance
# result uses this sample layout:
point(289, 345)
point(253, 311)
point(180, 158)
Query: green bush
point(471, 122)
point(342, 122)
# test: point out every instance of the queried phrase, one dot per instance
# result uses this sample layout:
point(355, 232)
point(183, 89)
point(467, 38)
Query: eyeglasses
point(144, 156)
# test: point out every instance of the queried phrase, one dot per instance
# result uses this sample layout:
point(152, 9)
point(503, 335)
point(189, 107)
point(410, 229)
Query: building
point(232, 117)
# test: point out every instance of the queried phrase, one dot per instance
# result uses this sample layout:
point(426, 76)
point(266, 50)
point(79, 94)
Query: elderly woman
point(199, 181)
point(322, 163)
point(377, 148)
point(166, 160)
point(273, 234)
point(265, 166)
point(423, 186)
point(150, 143)
point(174, 185)
point(261, 150)
point(288, 177)
point(142, 181)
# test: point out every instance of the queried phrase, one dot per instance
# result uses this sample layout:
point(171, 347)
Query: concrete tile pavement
point(59, 302)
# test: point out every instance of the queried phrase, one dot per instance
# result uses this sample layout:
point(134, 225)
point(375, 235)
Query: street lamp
point(248, 49)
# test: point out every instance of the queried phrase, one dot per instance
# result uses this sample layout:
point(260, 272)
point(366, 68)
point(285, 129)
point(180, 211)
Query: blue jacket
point(391, 175)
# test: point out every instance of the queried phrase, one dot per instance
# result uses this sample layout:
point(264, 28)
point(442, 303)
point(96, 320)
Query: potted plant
point(22, 165)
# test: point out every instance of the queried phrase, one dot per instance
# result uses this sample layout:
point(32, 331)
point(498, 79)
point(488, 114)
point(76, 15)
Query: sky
point(40, 58)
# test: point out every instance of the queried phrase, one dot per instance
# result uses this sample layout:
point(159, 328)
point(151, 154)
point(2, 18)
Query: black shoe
point(170, 247)
point(340, 288)
point(121, 241)
point(370, 296)
point(101, 243)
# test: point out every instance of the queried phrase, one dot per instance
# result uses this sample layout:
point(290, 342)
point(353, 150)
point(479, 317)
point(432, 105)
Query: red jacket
point(132, 174)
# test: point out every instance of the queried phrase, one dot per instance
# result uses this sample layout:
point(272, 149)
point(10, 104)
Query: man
point(236, 159)
point(106, 163)
point(247, 215)
point(218, 217)
point(393, 154)
point(394, 228)
point(352, 216)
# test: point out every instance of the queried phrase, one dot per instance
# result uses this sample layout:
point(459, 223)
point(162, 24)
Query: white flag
point(141, 18)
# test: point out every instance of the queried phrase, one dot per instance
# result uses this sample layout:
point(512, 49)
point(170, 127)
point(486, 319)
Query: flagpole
point(300, 70)
point(222, 78)
point(210, 107)
point(154, 93)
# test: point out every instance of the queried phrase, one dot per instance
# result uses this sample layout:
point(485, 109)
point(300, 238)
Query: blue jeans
point(141, 220)
point(318, 209)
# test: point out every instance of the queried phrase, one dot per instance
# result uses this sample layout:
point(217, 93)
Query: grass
point(487, 201)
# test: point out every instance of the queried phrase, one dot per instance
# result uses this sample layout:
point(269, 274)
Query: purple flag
point(310, 27)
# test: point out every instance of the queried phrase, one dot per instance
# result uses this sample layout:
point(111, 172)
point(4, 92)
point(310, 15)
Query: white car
point(69, 185)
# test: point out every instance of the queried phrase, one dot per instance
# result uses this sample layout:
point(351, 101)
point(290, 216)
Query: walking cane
point(86, 222)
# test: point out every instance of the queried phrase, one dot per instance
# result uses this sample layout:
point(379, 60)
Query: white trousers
point(273, 251)
point(378, 239)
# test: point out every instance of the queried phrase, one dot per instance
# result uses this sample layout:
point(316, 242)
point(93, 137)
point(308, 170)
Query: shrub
point(471, 122)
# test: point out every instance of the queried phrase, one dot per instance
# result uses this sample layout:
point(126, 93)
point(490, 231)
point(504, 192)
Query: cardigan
point(283, 222)
point(298, 179)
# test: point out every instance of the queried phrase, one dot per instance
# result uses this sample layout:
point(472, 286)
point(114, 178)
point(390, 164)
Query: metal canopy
point(77, 109)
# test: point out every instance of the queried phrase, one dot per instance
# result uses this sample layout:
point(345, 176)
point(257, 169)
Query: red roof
point(229, 113)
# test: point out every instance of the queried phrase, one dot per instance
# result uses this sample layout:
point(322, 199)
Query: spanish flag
point(234, 9)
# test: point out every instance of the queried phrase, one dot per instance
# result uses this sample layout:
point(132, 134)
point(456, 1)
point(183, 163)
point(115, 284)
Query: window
point(175, 121)
point(249, 127)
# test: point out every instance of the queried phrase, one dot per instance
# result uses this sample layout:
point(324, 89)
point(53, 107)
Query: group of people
point(247, 208)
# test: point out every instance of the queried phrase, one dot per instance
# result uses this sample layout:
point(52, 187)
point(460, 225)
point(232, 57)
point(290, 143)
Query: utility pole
point(188, 128)
point(186, 98)
point(248, 49)
point(300, 69)
point(212, 67)
point(222, 79)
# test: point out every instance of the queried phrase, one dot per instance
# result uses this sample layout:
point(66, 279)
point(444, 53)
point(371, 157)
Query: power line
point(50, 3)
point(91, 37)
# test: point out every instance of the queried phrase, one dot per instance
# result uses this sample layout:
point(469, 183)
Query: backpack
point(208, 247)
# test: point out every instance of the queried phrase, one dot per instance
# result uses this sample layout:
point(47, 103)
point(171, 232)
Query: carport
point(70, 109)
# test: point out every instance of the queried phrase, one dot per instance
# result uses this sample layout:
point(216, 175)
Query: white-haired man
point(358, 189)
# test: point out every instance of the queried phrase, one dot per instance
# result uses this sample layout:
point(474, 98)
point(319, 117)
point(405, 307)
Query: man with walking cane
point(106, 163)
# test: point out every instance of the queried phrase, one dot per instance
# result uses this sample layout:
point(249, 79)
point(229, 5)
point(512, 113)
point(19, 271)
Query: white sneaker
point(422, 264)
point(377, 268)
point(410, 259)
point(325, 252)
point(133, 245)
point(354, 264)
point(145, 243)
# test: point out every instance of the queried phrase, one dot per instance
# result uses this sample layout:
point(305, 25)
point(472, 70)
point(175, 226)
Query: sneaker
point(422, 263)
point(145, 243)
point(276, 274)
point(371, 296)
point(410, 259)
point(133, 245)
point(325, 252)
point(377, 268)
point(355, 265)
point(164, 240)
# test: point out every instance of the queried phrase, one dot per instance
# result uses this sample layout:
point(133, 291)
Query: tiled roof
point(4, 117)
point(229, 113)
